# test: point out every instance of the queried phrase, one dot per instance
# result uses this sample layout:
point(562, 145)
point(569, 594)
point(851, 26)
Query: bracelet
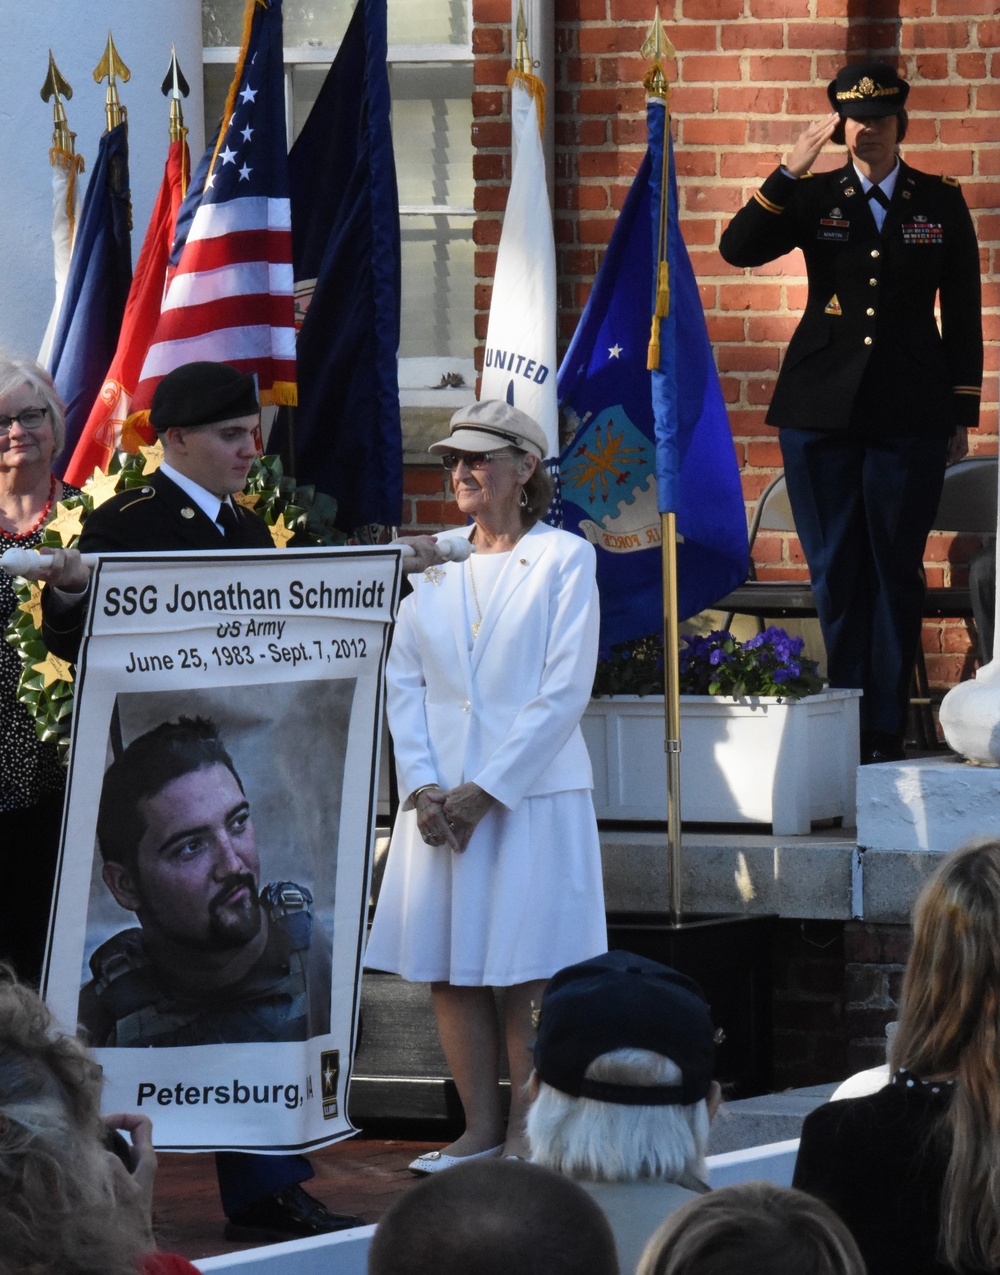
point(417, 791)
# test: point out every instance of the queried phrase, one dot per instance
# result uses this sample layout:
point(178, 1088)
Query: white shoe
point(438, 1161)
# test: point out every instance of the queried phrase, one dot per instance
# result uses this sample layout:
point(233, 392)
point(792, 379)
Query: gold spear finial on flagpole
point(657, 46)
point(175, 87)
point(522, 58)
point(113, 69)
point(56, 88)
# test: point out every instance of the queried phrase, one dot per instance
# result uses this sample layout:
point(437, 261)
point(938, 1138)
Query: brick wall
point(748, 75)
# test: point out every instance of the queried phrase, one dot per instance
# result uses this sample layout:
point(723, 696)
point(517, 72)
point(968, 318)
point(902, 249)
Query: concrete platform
point(927, 805)
point(809, 877)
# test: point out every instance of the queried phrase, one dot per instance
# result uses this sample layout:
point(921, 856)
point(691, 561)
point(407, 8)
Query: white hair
point(614, 1142)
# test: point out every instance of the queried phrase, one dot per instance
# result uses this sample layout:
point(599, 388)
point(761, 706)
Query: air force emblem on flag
point(610, 475)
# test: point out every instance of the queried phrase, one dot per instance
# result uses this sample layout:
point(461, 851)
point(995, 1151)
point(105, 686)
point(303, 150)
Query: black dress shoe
point(289, 1214)
point(881, 747)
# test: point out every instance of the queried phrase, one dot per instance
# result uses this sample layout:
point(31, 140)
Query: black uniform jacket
point(156, 517)
point(868, 353)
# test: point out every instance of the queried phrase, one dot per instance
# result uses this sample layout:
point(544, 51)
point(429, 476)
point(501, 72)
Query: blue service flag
point(649, 443)
point(100, 275)
point(346, 438)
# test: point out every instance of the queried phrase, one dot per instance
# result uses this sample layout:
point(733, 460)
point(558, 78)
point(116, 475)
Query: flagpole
point(672, 711)
point(657, 46)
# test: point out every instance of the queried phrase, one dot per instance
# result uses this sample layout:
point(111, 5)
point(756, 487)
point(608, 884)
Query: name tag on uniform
point(833, 228)
point(923, 232)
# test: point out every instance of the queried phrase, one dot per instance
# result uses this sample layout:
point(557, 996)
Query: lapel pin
point(187, 512)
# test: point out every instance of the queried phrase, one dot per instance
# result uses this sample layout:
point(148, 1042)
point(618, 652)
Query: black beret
point(623, 1001)
point(201, 394)
point(866, 90)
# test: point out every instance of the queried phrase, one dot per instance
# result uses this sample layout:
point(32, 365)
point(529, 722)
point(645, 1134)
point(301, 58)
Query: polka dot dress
point(28, 768)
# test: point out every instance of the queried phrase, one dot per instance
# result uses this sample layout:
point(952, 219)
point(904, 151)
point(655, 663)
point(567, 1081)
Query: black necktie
point(229, 523)
point(879, 195)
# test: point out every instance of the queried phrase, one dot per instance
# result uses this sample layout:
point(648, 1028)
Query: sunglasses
point(473, 460)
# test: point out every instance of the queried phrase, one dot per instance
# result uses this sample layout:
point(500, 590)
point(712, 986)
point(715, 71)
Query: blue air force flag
point(520, 359)
point(634, 427)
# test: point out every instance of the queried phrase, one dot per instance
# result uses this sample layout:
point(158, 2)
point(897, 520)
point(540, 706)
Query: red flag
point(102, 433)
point(231, 297)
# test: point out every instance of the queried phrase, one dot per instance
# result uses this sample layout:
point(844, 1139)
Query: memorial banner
point(212, 890)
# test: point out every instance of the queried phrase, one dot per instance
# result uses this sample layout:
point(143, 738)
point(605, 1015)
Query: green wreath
point(297, 516)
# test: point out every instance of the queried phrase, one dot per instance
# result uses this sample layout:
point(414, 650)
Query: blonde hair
point(613, 1142)
point(752, 1227)
point(949, 1026)
point(67, 1206)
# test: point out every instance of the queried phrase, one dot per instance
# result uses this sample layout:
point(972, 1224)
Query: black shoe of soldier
point(289, 1214)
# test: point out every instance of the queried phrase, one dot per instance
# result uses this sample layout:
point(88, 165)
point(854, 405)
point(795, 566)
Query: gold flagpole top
point(522, 58)
point(175, 87)
point(113, 69)
point(56, 88)
point(657, 46)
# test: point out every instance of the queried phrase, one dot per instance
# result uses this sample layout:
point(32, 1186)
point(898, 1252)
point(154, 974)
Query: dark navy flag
point(346, 436)
point(649, 443)
point(100, 275)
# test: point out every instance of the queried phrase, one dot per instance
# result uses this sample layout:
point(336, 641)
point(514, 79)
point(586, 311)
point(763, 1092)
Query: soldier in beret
point(873, 399)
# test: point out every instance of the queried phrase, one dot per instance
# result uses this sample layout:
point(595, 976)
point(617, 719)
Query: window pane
point(429, 22)
point(324, 23)
point(437, 286)
point(303, 23)
point(217, 78)
point(432, 132)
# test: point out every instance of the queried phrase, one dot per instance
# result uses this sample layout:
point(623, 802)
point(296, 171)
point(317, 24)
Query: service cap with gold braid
point(866, 90)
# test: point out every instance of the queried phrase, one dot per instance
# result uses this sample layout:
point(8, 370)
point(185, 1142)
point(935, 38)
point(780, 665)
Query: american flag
point(231, 297)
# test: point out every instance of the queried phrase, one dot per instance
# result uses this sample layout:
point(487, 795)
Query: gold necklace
point(475, 598)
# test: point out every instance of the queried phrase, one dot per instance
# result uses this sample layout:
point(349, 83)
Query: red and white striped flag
point(231, 297)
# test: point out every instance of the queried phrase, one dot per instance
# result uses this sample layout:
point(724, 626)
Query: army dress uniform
point(868, 395)
point(149, 519)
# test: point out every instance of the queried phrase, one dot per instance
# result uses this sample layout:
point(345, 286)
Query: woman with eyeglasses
point(32, 432)
point(493, 878)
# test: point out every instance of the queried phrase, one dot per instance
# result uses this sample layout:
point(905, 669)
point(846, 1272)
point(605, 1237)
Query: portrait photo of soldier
point(220, 955)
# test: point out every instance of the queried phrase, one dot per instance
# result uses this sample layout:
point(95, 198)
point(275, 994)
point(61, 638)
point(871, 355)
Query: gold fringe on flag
point(534, 87)
point(73, 164)
point(281, 394)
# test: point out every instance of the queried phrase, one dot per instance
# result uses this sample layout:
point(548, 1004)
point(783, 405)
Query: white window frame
point(416, 375)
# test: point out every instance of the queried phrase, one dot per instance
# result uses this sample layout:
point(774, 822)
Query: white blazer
point(506, 715)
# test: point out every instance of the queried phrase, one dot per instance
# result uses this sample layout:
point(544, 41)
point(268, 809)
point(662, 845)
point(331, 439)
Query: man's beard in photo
point(233, 926)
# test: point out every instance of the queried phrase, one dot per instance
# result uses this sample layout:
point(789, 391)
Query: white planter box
point(755, 760)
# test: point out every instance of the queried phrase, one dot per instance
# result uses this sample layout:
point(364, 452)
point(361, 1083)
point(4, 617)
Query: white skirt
point(523, 901)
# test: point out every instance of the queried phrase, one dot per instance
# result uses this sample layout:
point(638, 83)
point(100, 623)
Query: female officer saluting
point(873, 399)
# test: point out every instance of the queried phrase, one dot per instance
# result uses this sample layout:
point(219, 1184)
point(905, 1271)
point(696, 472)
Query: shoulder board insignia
point(950, 181)
point(833, 306)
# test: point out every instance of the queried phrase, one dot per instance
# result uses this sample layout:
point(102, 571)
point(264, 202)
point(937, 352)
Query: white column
point(77, 33)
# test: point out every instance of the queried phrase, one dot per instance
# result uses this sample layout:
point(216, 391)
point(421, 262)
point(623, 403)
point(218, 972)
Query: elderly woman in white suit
point(493, 878)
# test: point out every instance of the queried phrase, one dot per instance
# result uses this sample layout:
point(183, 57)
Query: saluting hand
point(810, 142)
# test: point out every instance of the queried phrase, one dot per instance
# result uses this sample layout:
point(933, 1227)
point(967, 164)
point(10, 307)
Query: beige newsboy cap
point(489, 425)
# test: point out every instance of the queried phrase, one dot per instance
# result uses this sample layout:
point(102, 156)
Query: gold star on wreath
point(67, 524)
point(248, 499)
point(151, 456)
point(100, 487)
point(281, 534)
point(53, 669)
point(33, 606)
